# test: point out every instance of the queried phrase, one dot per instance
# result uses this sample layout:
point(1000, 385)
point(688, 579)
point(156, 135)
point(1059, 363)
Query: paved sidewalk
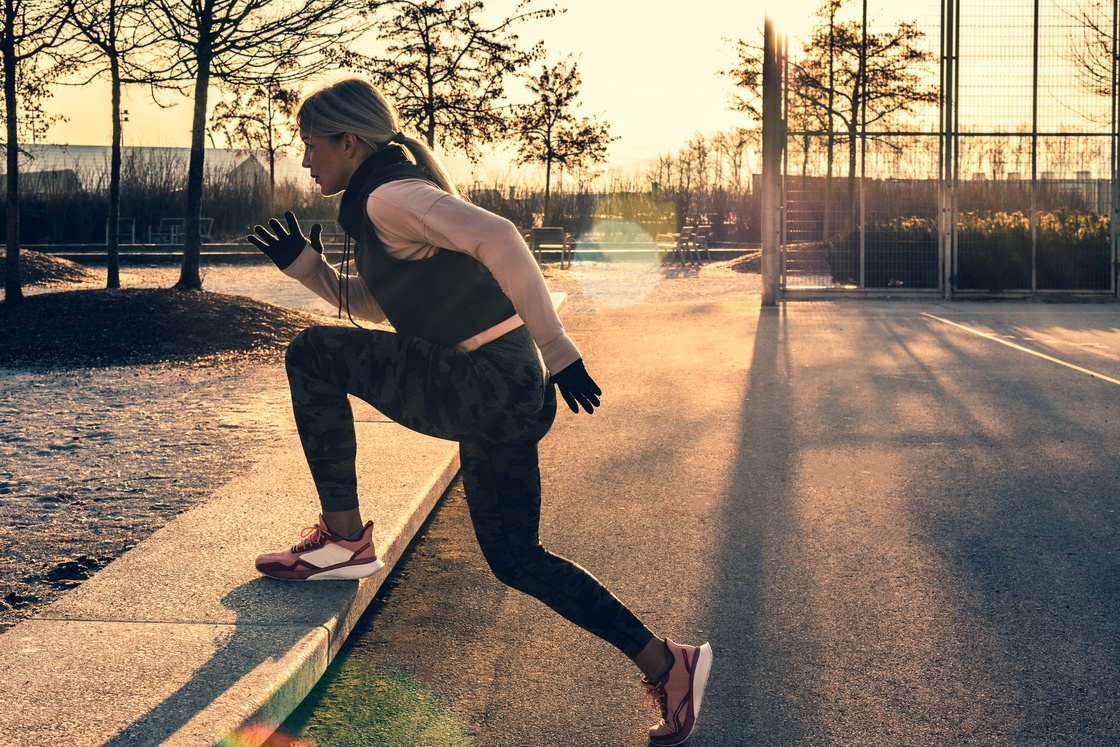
point(180, 641)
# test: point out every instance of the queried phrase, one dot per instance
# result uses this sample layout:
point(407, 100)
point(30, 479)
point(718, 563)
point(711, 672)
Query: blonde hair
point(356, 106)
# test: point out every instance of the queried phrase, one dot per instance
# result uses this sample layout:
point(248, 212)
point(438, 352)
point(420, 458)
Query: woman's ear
point(349, 144)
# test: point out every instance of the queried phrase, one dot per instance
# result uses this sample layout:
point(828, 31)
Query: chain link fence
point(952, 147)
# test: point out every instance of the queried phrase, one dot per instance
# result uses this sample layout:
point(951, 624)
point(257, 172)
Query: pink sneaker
point(323, 555)
point(679, 692)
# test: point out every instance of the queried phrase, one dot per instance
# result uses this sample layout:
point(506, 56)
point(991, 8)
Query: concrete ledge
point(181, 642)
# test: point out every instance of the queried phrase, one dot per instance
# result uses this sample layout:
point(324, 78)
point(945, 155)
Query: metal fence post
point(783, 185)
point(1114, 140)
point(1034, 154)
point(946, 224)
point(773, 140)
point(862, 114)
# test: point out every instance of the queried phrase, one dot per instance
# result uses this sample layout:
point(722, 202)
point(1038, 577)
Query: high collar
point(351, 207)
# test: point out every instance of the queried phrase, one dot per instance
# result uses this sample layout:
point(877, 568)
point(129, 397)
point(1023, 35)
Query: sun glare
point(790, 17)
point(781, 13)
point(626, 275)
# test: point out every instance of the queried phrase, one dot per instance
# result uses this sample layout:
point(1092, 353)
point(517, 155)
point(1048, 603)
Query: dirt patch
point(748, 263)
point(92, 461)
point(42, 269)
point(99, 328)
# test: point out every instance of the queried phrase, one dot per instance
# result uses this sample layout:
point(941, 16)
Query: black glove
point(577, 387)
point(285, 246)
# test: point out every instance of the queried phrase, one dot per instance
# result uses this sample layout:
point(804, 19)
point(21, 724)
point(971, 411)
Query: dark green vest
point(446, 298)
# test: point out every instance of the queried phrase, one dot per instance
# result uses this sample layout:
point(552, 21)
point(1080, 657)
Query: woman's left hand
point(283, 247)
point(577, 387)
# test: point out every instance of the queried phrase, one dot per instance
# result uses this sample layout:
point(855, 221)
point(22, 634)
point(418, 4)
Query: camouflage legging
point(496, 403)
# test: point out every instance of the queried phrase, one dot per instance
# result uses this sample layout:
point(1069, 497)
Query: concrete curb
point(181, 642)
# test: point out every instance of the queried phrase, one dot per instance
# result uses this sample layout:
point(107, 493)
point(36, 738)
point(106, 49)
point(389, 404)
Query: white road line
point(994, 338)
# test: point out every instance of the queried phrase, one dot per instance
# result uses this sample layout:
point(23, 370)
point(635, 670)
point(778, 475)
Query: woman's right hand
point(283, 247)
point(577, 387)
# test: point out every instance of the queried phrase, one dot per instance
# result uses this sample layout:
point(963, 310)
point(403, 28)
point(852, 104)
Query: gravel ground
point(94, 460)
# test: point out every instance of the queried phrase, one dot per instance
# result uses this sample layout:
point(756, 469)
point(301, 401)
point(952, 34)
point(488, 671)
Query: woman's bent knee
point(302, 348)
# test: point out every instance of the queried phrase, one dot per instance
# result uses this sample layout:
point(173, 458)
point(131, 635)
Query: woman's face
point(331, 161)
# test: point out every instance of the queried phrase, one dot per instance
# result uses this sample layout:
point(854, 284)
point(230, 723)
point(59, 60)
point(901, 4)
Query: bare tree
point(445, 69)
point(113, 32)
point(36, 82)
point(699, 150)
point(734, 145)
point(262, 118)
point(1089, 48)
point(704, 180)
point(548, 130)
point(847, 77)
point(236, 42)
point(800, 115)
point(30, 28)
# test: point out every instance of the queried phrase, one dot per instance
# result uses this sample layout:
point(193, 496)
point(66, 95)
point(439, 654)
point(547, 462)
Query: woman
point(470, 309)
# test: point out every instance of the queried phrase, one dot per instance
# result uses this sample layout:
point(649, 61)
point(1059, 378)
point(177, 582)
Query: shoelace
point(657, 692)
point(312, 536)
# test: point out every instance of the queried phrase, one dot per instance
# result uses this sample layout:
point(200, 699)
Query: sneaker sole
point(347, 572)
point(700, 678)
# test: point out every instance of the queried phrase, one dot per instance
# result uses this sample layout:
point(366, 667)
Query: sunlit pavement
point(894, 530)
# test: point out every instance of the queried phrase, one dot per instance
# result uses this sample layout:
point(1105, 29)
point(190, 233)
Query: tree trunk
point(271, 178)
point(113, 228)
point(826, 230)
point(189, 276)
point(431, 106)
point(853, 206)
point(850, 219)
point(547, 181)
point(13, 289)
point(271, 159)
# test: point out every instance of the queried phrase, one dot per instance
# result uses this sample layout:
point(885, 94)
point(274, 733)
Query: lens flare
point(262, 734)
point(618, 259)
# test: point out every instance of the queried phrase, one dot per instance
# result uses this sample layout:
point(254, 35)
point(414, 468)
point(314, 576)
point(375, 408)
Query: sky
point(649, 69)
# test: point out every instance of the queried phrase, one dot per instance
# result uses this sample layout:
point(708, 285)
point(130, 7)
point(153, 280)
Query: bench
point(677, 244)
point(169, 231)
point(700, 242)
point(550, 238)
point(332, 232)
point(126, 231)
point(172, 231)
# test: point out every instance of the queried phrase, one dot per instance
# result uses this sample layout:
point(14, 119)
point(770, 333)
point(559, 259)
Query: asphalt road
point(895, 522)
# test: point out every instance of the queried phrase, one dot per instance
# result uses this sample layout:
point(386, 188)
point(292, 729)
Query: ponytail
point(424, 156)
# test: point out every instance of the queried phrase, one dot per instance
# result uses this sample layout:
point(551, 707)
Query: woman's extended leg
point(502, 484)
point(503, 493)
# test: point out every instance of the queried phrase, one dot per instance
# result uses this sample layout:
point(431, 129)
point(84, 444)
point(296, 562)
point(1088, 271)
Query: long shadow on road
point(920, 545)
point(752, 676)
point(1018, 503)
